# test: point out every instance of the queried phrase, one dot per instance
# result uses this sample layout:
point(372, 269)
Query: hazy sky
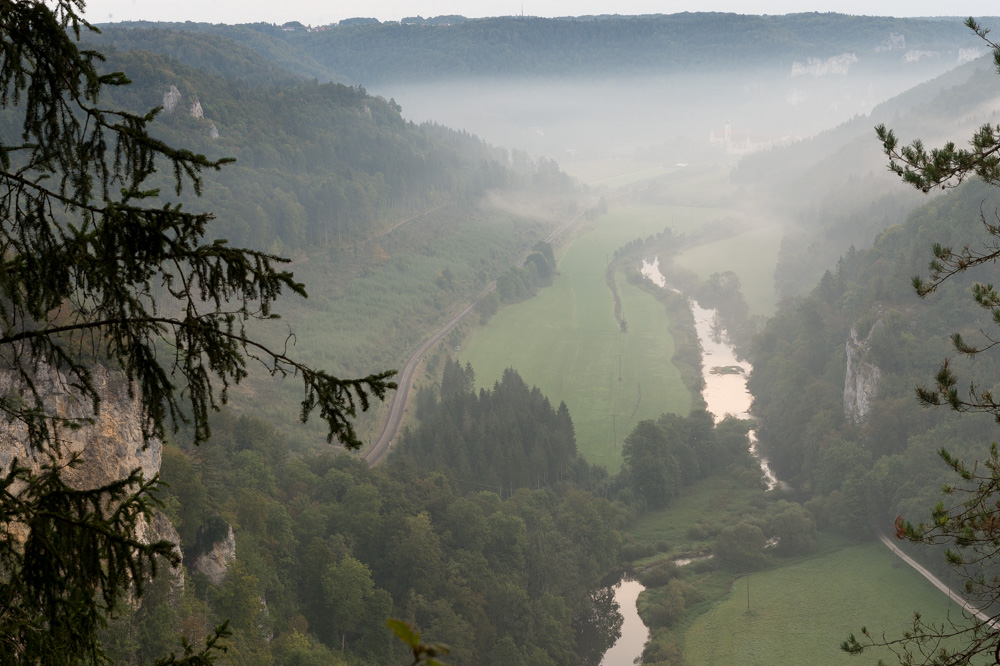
point(320, 12)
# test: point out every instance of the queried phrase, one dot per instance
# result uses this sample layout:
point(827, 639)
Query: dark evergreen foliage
point(506, 438)
point(96, 272)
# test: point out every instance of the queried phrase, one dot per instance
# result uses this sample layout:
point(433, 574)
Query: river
point(634, 633)
point(725, 393)
point(725, 376)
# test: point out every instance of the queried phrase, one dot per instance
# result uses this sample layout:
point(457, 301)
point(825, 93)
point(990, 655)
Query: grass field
point(714, 503)
point(752, 255)
point(800, 613)
point(567, 342)
point(613, 172)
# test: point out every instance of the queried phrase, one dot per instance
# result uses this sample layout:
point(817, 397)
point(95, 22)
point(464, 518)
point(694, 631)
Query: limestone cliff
point(863, 376)
point(214, 563)
point(171, 99)
point(109, 448)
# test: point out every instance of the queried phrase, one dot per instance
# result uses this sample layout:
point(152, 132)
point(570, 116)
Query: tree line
point(317, 165)
point(375, 53)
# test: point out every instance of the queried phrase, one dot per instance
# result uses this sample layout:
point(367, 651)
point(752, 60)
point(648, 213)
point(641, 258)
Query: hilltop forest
point(514, 47)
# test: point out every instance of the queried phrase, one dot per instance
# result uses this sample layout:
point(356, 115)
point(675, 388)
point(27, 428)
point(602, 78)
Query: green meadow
point(800, 613)
point(567, 342)
point(801, 609)
point(752, 255)
point(711, 504)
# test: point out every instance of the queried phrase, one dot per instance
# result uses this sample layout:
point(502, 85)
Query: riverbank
point(567, 342)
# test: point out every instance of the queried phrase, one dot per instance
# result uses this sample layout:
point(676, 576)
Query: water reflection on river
point(634, 633)
point(725, 377)
point(725, 393)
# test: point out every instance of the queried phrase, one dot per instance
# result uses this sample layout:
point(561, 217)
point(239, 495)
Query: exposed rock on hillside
point(214, 563)
point(862, 378)
point(109, 448)
point(171, 98)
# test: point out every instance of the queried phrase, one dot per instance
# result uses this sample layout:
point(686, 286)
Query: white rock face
point(863, 376)
point(109, 448)
point(213, 132)
point(196, 110)
point(214, 563)
point(171, 98)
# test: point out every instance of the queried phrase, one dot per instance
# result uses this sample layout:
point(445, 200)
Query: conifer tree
point(99, 267)
point(970, 524)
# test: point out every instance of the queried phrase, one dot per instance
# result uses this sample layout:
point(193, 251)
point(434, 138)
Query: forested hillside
point(835, 371)
point(833, 191)
point(327, 548)
point(390, 224)
point(376, 53)
point(316, 164)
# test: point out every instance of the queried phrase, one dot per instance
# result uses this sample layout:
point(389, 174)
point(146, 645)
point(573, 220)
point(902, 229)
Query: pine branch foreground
point(970, 523)
point(96, 270)
point(83, 252)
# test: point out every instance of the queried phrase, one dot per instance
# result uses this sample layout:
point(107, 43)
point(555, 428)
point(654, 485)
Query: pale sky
point(321, 12)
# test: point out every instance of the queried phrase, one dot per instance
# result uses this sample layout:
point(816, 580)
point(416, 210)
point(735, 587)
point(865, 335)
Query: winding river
point(725, 393)
point(725, 376)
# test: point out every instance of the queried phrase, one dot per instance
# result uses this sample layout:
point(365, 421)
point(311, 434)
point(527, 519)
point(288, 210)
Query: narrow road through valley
point(935, 581)
point(397, 403)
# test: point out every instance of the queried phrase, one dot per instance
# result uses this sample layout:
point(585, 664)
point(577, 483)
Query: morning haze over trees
point(555, 253)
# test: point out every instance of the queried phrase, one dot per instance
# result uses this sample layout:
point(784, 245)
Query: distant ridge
point(371, 52)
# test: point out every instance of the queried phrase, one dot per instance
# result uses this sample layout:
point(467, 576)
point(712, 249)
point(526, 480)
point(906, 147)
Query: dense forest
point(865, 461)
point(484, 529)
point(374, 53)
point(317, 165)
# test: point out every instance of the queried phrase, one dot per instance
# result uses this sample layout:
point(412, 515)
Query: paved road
point(935, 581)
point(397, 402)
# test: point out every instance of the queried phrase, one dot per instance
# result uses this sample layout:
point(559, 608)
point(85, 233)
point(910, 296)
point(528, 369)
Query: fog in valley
point(666, 116)
point(664, 390)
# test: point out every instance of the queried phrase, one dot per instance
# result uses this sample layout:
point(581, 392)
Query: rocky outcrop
point(214, 563)
point(863, 376)
point(110, 447)
point(171, 99)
